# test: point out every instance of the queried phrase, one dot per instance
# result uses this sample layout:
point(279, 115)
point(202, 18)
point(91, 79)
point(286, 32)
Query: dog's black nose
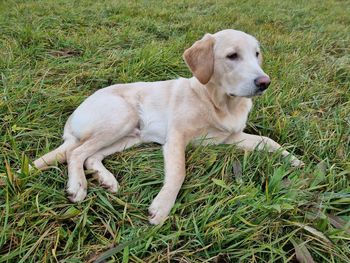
point(262, 82)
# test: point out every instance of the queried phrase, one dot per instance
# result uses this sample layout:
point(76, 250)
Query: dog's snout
point(262, 82)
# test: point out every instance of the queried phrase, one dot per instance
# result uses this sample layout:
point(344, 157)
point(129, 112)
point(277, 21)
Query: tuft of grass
point(234, 206)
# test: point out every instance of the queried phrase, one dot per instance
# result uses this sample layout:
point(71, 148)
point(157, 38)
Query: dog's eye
point(257, 54)
point(232, 56)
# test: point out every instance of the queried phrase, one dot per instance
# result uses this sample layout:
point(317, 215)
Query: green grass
point(234, 206)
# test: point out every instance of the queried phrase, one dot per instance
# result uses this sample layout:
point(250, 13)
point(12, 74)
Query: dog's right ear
point(200, 58)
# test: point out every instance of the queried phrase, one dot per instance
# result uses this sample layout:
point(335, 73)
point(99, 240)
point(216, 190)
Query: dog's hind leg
point(94, 162)
point(101, 137)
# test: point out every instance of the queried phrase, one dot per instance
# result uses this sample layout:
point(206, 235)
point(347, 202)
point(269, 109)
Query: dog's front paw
point(157, 215)
point(159, 209)
point(77, 191)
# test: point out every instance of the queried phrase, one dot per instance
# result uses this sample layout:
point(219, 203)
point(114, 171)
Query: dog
point(213, 104)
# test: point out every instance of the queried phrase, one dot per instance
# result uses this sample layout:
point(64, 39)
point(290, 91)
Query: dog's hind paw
point(107, 181)
point(110, 185)
point(76, 192)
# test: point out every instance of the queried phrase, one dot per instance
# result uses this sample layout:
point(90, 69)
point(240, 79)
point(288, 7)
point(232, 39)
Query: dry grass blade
point(313, 231)
point(64, 53)
point(339, 223)
point(301, 252)
point(237, 171)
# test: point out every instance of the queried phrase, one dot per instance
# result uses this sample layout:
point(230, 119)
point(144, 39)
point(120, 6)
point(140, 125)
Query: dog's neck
point(220, 100)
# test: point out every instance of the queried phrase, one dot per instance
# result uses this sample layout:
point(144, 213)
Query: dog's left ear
point(200, 58)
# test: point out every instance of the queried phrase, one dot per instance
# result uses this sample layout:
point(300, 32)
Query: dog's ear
point(200, 58)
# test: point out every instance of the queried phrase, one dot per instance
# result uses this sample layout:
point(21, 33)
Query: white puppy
point(214, 104)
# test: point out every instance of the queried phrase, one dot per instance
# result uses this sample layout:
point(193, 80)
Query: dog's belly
point(101, 113)
point(153, 126)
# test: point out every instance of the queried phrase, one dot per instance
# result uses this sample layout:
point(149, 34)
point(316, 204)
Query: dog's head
point(231, 60)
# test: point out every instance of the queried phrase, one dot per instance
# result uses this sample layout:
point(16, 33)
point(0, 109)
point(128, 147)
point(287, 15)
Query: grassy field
point(234, 206)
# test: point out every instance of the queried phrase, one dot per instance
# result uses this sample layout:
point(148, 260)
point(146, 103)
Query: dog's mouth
point(257, 93)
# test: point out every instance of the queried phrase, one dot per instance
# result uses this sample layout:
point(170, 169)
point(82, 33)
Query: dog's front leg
point(174, 158)
point(250, 142)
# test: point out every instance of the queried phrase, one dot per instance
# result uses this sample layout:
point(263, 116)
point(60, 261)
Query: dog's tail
point(57, 155)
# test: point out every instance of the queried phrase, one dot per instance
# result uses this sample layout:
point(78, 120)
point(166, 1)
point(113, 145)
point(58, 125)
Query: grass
point(234, 206)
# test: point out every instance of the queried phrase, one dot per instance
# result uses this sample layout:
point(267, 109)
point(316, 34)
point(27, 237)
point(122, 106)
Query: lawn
point(234, 206)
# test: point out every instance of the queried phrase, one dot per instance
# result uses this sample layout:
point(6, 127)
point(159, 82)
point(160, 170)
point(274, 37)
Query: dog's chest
point(232, 123)
point(224, 126)
point(234, 119)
